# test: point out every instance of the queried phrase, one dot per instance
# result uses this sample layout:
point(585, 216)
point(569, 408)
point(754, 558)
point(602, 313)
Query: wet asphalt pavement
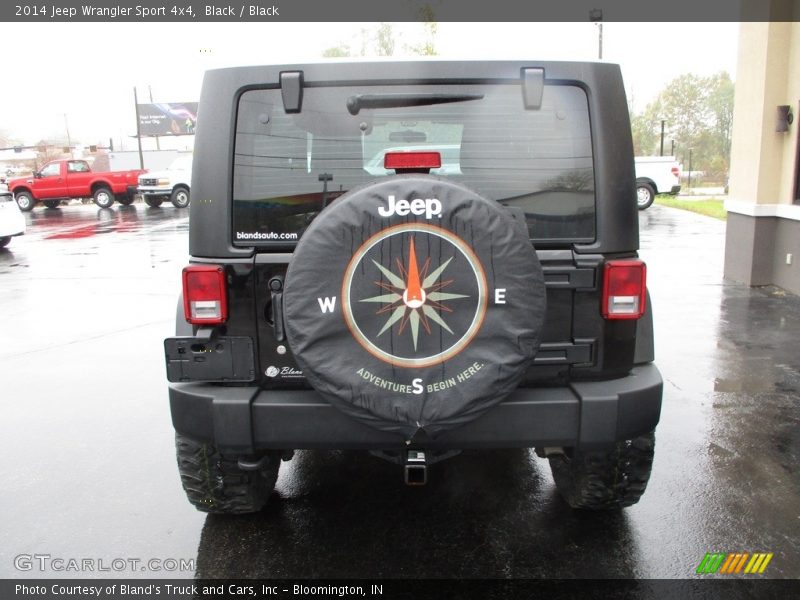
point(88, 464)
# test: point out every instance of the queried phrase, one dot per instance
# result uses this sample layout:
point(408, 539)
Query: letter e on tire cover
point(414, 303)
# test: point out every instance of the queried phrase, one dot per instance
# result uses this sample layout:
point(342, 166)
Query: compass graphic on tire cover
point(414, 295)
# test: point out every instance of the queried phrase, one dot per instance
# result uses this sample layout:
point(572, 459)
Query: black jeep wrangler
point(413, 258)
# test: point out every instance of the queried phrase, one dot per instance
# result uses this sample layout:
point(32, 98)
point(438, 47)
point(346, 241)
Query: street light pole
point(600, 41)
point(596, 17)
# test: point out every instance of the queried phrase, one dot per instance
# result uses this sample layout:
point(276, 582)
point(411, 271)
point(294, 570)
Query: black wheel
point(103, 197)
point(605, 479)
point(152, 201)
point(52, 203)
point(180, 197)
point(126, 199)
point(4, 241)
point(645, 194)
point(215, 484)
point(25, 201)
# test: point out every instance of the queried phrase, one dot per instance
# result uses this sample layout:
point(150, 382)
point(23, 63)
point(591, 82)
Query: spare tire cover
point(412, 303)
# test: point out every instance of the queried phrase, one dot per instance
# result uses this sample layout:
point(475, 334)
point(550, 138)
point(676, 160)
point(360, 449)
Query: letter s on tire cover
point(414, 303)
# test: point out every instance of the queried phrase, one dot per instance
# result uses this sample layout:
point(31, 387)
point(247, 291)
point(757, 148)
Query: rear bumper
point(675, 189)
point(586, 414)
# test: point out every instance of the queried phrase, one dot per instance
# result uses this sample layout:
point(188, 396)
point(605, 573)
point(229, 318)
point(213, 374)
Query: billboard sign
point(179, 118)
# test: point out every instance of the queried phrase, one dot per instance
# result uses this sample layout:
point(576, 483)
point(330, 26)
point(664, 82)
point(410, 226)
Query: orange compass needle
point(414, 288)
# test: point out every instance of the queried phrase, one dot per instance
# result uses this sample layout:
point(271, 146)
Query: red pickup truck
point(64, 179)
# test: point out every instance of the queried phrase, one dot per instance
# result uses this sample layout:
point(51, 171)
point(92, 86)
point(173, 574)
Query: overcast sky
point(87, 71)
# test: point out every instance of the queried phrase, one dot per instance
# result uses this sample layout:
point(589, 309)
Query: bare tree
point(428, 46)
point(382, 41)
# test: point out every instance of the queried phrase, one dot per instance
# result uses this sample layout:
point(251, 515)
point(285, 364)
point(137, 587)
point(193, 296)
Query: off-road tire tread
point(215, 484)
point(605, 479)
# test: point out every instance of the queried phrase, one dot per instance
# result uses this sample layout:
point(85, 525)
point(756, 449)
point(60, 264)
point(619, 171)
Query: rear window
point(289, 167)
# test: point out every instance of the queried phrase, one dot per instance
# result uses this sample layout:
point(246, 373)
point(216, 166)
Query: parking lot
point(89, 470)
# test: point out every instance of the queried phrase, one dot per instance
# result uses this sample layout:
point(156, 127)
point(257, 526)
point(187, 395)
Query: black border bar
point(732, 588)
point(399, 10)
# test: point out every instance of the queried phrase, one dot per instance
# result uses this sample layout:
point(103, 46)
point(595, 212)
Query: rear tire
point(52, 203)
point(605, 479)
point(645, 195)
point(103, 197)
point(215, 484)
point(153, 202)
point(180, 197)
point(4, 241)
point(25, 201)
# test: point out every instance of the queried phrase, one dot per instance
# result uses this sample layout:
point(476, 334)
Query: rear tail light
point(205, 298)
point(412, 160)
point(677, 172)
point(624, 290)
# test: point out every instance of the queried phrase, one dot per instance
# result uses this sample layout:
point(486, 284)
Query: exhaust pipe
point(416, 468)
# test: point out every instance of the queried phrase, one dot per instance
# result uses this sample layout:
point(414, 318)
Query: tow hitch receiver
point(416, 468)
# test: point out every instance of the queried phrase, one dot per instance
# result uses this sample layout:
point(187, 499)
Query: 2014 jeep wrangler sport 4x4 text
point(413, 258)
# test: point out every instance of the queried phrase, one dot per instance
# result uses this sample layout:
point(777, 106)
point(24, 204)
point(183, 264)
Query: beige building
point(763, 234)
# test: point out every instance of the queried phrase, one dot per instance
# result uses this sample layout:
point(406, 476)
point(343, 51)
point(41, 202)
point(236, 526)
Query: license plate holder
point(220, 359)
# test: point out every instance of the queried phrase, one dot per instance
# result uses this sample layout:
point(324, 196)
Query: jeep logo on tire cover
point(430, 207)
point(407, 324)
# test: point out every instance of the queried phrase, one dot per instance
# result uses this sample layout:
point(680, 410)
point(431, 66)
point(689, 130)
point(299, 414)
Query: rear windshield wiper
point(359, 101)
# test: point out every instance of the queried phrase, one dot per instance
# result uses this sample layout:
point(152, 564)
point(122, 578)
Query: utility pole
point(662, 137)
point(138, 130)
point(69, 140)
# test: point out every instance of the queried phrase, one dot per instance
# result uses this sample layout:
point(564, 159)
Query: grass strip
point(713, 207)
